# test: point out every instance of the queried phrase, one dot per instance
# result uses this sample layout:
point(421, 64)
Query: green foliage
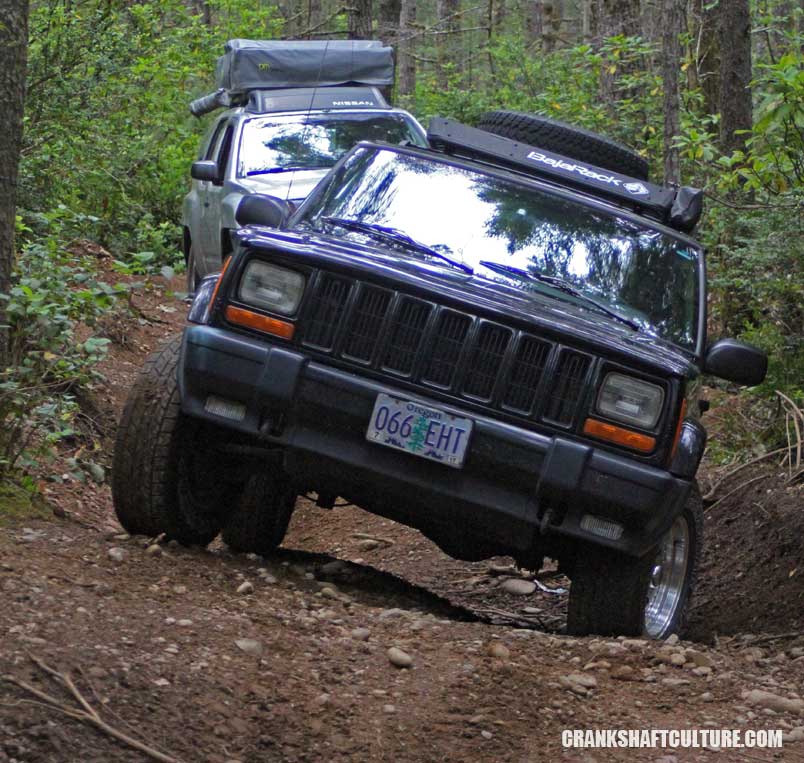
point(564, 86)
point(108, 132)
point(55, 288)
point(20, 503)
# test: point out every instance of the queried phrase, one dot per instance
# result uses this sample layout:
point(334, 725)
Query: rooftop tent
point(249, 65)
point(261, 64)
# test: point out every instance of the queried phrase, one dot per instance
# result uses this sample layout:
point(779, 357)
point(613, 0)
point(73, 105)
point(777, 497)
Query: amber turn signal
point(625, 437)
point(218, 282)
point(677, 435)
point(241, 317)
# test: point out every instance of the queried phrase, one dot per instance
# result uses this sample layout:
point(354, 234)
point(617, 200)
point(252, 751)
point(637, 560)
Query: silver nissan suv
point(280, 143)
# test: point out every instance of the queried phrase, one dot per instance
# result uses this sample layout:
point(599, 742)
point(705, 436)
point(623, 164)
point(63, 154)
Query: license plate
point(420, 430)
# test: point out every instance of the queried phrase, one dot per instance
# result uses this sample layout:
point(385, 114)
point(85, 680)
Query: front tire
point(260, 520)
point(615, 595)
point(166, 477)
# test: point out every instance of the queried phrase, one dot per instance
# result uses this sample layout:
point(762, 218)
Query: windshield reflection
point(645, 275)
point(271, 143)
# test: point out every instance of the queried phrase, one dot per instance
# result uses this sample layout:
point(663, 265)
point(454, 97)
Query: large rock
point(398, 658)
point(518, 587)
point(249, 646)
point(774, 701)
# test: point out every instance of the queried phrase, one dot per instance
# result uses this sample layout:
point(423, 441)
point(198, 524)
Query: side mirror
point(205, 170)
point(260, 209)
point(736, 362)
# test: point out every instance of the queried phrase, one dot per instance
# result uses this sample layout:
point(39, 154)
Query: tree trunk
point(706, 54)
point(615, 17)
point(552, 24)
point(671, 63)
point(360, 20)
point(586, 20)
point(448, 46)
point(314, 16)
point(534, 20)
point(619, 17)
point(735, 73)
point(13, 60)
point(407, 64)
point(500, 15)
point(388, 13)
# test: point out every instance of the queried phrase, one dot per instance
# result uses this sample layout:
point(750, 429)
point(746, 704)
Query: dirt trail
point(295, 666)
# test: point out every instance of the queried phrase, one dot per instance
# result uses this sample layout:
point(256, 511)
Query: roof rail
point(680, 208)
point(315, 99)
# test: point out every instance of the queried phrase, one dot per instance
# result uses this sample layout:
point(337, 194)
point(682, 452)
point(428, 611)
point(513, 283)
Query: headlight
point(630, 400)
point(272, 288)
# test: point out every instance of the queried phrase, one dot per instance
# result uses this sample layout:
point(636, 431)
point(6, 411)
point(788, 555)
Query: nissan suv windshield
point(284, 143)
point(516, 233)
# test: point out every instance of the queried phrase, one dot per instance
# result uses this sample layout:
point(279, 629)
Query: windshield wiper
point(386, 233)
point(277, 170)
point(561, 285)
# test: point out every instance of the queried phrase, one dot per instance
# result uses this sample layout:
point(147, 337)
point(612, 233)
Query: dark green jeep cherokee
point(492, 342)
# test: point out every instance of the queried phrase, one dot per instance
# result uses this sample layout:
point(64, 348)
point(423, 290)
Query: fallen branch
point(85, 713)
point(777, 637)
point(796, 415)
point(737, 489)
point(711, 494)
point(521, 618)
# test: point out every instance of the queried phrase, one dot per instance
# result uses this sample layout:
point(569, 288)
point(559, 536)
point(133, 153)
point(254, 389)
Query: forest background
point(710, 91)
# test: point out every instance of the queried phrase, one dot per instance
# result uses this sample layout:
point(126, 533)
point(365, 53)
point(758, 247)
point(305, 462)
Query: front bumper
point(517, 488)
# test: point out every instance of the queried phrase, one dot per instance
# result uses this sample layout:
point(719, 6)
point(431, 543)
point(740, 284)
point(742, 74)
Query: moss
point(18, 505)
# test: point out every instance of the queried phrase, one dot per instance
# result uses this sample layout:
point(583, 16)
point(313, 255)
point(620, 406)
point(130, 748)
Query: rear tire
point(166, 478)
point(615, 595)
point(260, 520)
point(571, 141)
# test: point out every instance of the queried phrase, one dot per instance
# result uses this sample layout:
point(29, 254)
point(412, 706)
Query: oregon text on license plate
point(419, 429)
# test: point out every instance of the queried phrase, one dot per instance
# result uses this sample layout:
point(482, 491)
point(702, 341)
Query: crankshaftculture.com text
point(672, 738)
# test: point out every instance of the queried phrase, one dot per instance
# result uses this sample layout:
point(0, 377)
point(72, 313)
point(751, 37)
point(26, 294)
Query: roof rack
point(321, 99)
point(680, 208)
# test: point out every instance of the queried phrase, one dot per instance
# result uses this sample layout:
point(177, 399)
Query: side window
point(214, 139)
point(224, 151)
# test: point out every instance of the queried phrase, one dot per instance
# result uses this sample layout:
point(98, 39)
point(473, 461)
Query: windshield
point(271, 144)
point(512, 232)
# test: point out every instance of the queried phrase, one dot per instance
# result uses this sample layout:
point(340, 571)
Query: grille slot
point(567, 387)
point(486, 360)
point(327, 307)
point(405, 335)
point(526, 373)
point(447, 342)
point(362, 330)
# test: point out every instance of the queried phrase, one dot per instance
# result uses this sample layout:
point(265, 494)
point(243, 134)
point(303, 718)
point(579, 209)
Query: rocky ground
point(360, 640)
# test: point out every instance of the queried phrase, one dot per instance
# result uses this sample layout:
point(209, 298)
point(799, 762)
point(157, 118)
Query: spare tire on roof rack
point(571, 141)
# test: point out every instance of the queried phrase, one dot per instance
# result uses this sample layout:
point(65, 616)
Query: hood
point(555, 318)
point(294, 186)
